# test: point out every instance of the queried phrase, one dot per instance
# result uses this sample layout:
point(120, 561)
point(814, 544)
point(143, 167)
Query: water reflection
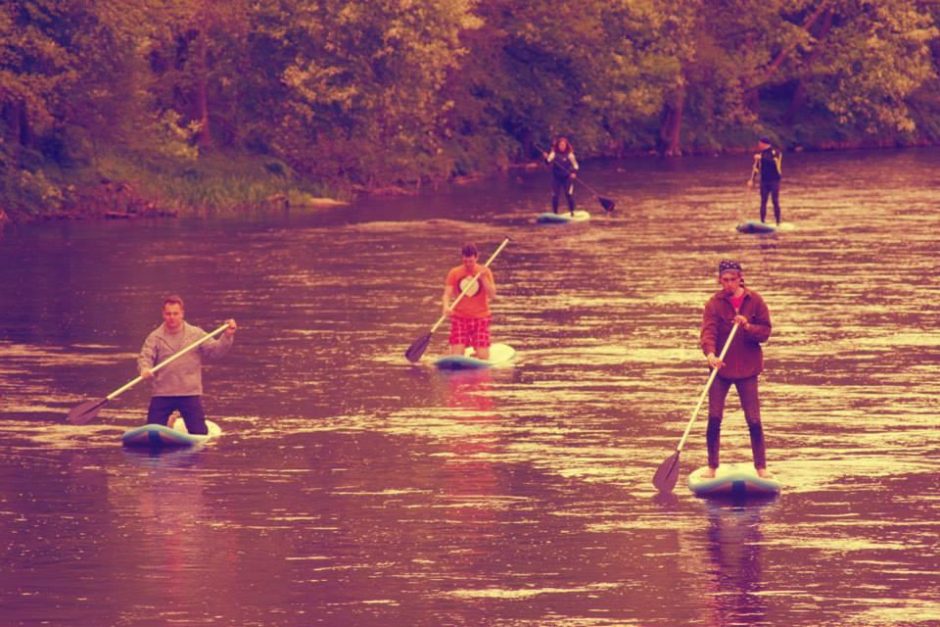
point(733, 544)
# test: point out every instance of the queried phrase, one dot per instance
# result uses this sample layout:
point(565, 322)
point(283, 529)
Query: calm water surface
point(351, 488)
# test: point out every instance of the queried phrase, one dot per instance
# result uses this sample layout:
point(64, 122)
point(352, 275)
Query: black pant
point(558, 185)
point(190, 408)
point(772, 189)
point(750, 403)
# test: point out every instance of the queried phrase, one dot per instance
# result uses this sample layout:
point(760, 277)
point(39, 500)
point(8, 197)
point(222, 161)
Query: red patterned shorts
point(473, 332)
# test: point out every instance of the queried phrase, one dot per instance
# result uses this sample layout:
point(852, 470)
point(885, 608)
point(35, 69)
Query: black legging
point(772, 189)
point(558, 185)
point(190, 408)
point(750, 403)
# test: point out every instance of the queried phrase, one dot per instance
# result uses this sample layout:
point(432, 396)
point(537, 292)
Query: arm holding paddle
point(574, 166)
point(755, 171)
point(219, 347)
point(208, 347)
point(485, 277)
point(756, 327)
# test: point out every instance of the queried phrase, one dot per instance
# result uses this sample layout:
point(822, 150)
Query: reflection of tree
point(733, 540)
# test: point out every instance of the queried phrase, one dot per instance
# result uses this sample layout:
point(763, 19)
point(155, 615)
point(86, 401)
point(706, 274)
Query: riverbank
point(123, 187)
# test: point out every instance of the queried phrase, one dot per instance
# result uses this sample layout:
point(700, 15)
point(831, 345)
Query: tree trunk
point(202, 88)
point(796, 101)
point(776, 64)
point(670, 130)
point(17, 118)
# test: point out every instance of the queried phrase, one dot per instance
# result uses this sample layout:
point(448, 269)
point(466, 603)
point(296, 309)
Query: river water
point(351, 488)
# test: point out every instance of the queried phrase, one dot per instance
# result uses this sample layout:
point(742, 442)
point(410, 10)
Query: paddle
point(86, 412)
point(606, 203)
point(418, 347)
point(668, 472)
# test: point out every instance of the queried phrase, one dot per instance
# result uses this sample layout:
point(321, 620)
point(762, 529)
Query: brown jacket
point(744, 358)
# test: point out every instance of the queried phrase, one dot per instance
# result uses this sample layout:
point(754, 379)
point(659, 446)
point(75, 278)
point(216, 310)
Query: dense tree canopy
point(368, 93)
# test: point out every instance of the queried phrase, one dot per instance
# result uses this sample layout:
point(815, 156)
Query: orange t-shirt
point(475, 304)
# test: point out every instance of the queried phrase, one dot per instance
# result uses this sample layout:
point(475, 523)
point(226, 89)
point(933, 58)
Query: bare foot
point(708, 473)
point(763, 473)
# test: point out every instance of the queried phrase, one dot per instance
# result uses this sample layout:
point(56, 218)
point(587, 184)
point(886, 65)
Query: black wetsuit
point(563, 165)
point(769, 166)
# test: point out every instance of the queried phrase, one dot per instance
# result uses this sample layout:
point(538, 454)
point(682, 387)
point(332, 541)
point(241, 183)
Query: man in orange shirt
point(470, 317)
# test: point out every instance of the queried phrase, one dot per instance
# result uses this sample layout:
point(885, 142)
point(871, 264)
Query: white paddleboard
point(160, 435)
point(499, 354)
point(733, 480)
point(564, 217)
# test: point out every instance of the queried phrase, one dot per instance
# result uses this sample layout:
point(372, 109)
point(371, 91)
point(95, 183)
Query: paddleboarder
point(768, 167)
point(735, 304)
point(564, 166)
point(178, 387)
point(469, 318)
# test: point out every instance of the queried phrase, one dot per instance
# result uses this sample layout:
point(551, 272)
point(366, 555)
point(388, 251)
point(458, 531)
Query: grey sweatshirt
point(184, 376)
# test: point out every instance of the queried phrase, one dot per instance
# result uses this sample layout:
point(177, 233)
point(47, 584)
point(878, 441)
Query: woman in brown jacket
point(735, 303)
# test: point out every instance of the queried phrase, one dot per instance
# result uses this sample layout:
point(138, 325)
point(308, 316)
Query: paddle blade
point(85, 412)
point(606, 203)
point(667, 474)
point(417, 349)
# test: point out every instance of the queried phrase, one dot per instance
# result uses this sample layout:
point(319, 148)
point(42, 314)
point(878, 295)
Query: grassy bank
point(129, 185)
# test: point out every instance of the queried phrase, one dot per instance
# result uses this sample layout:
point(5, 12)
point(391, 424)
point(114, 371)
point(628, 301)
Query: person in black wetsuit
point(768, 166)
point(564, 165)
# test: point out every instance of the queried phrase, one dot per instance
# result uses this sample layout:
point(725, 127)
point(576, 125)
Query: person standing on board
point(470, 318)
point(564, 165)
point(744, 361)
point(768, 166)
point(179, 385)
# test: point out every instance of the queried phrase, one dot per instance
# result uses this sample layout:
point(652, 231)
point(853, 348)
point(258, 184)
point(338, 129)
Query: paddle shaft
point(166, 362)
point(708, 385)
point(464, 291)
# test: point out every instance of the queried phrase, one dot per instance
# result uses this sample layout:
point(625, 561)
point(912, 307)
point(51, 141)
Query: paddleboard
point(563, 218)
point(499, 354)
point(159, 435)
point(755, 226)
point(733, 480)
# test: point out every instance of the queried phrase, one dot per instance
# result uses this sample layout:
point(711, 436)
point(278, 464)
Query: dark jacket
point(563, 164)
point(770, 165)
point(744, 358)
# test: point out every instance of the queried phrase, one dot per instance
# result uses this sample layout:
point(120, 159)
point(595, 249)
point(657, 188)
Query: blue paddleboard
point(733, 480)
point(499, 354)
point(159, 435)
point(755, 226)
point(563, 218)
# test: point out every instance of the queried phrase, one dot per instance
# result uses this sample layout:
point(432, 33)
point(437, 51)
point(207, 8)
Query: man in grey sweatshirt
point(178, 386)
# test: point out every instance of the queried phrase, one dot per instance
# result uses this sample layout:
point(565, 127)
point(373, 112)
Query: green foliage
point(224, 105)
point(871, 64)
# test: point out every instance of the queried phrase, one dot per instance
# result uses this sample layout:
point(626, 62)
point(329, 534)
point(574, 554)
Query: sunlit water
point(351, 488)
